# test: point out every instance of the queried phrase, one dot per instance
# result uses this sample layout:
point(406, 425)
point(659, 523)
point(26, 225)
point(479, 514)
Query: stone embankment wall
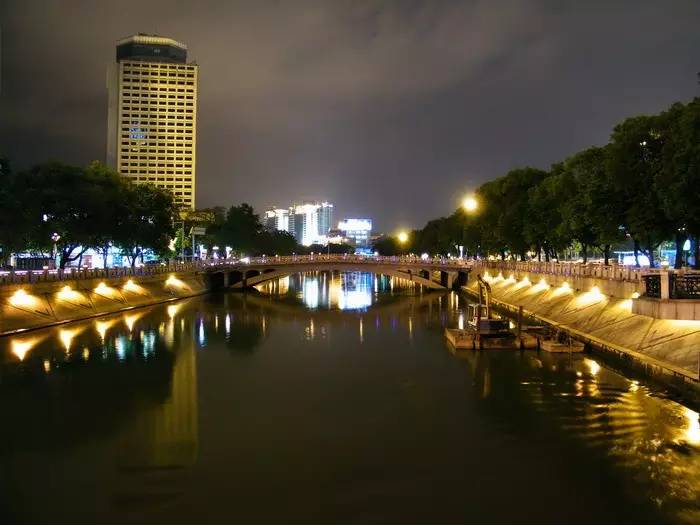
point(34, 305)
point(599, 311)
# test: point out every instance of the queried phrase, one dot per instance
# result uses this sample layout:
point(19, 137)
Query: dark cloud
point(391, 109)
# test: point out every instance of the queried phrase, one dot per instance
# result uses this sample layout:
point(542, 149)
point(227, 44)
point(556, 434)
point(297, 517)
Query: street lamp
point(403, 237)
point(55, 237)
point(470, 204)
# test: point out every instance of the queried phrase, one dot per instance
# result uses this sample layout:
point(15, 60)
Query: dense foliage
point(72, 209)
point(643, 188)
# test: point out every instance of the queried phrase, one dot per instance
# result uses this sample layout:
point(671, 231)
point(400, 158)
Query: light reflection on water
point(154, 363)
point(337, 290)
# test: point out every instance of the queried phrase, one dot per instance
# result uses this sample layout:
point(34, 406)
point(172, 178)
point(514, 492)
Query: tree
point(591, 210)
point(439, 236)
point(147, 220)
point(678, 181)
point(634, 160)
point(13, 221)
point(387, 245)
point(543, 228)
point(240, 230)
point(65, 204)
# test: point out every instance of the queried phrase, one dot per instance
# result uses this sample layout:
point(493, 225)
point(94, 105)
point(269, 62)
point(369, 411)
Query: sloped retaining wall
point(662, 346)
point(29, 306)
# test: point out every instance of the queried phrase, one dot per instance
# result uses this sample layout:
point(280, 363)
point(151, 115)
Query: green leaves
point(77, 208)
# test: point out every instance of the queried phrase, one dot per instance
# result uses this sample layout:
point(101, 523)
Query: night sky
point(390, 109)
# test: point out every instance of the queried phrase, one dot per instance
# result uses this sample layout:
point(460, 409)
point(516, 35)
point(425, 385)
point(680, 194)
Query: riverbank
point(29, 306)
point(663, 349)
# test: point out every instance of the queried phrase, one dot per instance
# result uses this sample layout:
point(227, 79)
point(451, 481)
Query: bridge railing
point(72, 274)
point(568, 269)
point(361, 259)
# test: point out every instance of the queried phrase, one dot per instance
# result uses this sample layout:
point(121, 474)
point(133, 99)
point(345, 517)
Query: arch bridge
point(439, 274)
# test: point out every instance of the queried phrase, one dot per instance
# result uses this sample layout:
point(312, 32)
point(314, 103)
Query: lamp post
point(55, 237)
point(469, 205)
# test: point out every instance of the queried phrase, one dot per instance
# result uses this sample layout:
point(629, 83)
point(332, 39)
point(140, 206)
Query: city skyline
point(476, 98)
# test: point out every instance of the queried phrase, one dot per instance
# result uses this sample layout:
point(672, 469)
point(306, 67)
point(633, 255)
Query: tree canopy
point(642, 187)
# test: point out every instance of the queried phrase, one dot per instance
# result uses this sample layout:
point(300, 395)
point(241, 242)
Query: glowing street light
point(470, 204)
point(403, 237)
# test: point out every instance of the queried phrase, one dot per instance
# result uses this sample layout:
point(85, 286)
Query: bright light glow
point(425, 256)
point(510, 280)
point(625, 304)
point(524, 282)
point(403, 237)
point(310, 294)
point(686, 245)
point(22, 299)
point(174, 282)
point(103, 289)
point(47, 365)
point(692, 431)
point(635, 295)
point(172, 310)
point(542, 285)
point(68, 294)
point(593, 367)
point(470, 204)
point(131, 286)
point(66, 337)
point(628, 260)
point(20, 348)
point(103, 326)
point(202, 336)
point(131, 319)
point(588, 298)
point(86, 353)
point(460, 321)
point(565, 286)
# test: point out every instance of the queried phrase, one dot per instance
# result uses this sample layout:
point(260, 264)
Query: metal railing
point(71, 274)
point(684, 286)
point(595, 270)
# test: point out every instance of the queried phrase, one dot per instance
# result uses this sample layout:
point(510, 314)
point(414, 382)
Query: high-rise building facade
point(277, 219)
point(358, 231)
point(152, 115)
point(309, 223)
point(325, 218)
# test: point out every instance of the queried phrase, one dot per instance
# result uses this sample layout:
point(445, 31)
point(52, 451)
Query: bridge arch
point(241, 277)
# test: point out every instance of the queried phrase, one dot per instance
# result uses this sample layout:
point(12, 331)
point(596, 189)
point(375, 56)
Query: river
point(328, 399)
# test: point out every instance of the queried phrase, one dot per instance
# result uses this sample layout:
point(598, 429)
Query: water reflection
point(337, 290)
point(302, 386)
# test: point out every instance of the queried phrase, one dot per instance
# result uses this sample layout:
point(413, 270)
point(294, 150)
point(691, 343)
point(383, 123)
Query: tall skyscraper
point(308, 223)
point(325, 218)
point(152, 115)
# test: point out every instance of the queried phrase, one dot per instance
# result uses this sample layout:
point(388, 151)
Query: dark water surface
point(327, 399)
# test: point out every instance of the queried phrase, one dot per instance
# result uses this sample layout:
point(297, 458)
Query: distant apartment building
point(277, 219)
point(357, 231)
point(309, 223)
point(152, 115)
